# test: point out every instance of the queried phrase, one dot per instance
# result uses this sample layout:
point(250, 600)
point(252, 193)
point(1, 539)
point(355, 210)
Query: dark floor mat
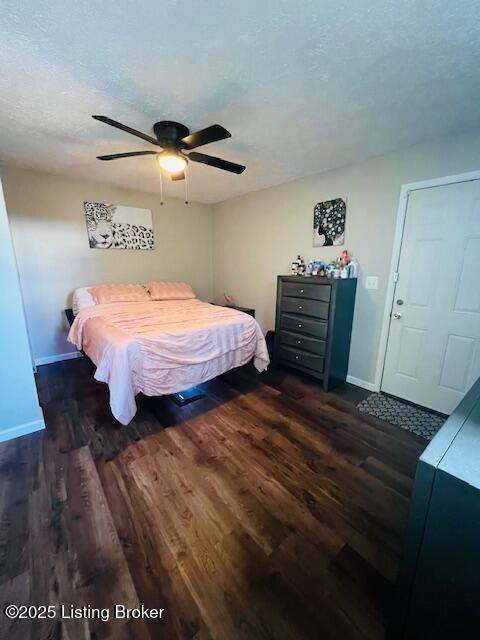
point(422, 422)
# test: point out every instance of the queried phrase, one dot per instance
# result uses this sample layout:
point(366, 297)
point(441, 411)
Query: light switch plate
point(371, 282)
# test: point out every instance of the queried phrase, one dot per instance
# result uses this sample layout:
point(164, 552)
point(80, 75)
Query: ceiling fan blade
point(115, 156)
point(216, 162)
point(123, 127)
point(204, 136)
point(178, 176)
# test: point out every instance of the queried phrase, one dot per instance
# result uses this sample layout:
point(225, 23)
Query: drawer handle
point(300, 307)
point(296, 357)
point(299, 342)
point(301, 290)
point(299, 326)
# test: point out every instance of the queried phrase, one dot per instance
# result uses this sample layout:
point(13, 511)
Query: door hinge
point(395, 276)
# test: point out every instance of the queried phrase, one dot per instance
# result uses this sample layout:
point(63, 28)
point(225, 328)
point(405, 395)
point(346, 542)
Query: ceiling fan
point(175, 138)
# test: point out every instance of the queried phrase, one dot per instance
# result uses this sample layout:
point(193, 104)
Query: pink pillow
point(169, 290)
point(119, 293)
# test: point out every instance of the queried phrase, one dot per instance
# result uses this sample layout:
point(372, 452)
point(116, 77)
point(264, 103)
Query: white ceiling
point(303, 86)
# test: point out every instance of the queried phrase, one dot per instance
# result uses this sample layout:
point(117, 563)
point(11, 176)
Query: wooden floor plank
point(73, 555)
point(269, 509)
point(152, 564)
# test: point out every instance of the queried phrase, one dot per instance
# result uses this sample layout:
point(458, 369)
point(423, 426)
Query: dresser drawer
point(309, 360)
point(312, 291)
point(299, 324)
point(314, 308)
point(305, 343)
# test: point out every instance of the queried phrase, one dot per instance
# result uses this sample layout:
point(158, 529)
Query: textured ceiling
point(303, 86)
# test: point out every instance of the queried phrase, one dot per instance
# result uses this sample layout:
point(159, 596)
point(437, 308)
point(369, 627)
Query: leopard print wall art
point(112, 226)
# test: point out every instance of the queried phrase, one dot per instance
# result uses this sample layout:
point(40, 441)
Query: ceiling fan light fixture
point(172, 162)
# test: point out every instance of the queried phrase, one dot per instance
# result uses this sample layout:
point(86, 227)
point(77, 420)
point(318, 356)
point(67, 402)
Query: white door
point(433, 352)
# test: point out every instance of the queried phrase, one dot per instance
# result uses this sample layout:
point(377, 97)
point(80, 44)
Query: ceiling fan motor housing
point(170, 133)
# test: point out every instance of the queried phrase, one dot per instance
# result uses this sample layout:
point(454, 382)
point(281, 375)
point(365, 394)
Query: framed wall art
point(111, 226)
point(329, 222)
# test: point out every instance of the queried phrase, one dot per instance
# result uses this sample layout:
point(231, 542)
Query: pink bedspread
point(164, 347)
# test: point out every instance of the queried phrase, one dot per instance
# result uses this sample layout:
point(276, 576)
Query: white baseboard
point(57, 358)
point(22, 430)
point(358, 382)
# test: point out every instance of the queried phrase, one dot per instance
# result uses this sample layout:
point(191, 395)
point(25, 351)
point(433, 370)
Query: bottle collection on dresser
point(343, 267)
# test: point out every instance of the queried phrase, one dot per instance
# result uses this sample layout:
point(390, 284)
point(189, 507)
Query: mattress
point(164, 347)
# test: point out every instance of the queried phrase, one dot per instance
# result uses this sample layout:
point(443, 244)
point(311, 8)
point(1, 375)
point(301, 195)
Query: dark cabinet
point(438, 581)
point(314, 325)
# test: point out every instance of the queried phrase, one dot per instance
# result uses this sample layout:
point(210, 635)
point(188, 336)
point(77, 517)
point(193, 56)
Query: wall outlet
point(371, 282)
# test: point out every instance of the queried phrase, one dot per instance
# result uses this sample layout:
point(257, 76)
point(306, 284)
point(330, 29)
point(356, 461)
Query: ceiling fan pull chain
point(186, 185)
point(161, 188)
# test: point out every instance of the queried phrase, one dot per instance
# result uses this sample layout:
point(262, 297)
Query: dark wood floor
point(260, 512)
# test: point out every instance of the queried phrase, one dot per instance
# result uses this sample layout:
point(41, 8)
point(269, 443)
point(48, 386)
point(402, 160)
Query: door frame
point(405, 191)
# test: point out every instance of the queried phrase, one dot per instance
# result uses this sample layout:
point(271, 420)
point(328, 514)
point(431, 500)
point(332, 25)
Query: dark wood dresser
point(314, 325)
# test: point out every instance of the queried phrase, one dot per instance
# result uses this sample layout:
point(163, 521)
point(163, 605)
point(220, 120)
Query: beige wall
point(53, 255)
point(256, 236)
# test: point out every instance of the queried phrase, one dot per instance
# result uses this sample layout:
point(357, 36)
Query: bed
point(160, 347)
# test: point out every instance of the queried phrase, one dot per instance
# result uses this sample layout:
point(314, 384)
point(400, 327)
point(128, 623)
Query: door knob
point(397, 315)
